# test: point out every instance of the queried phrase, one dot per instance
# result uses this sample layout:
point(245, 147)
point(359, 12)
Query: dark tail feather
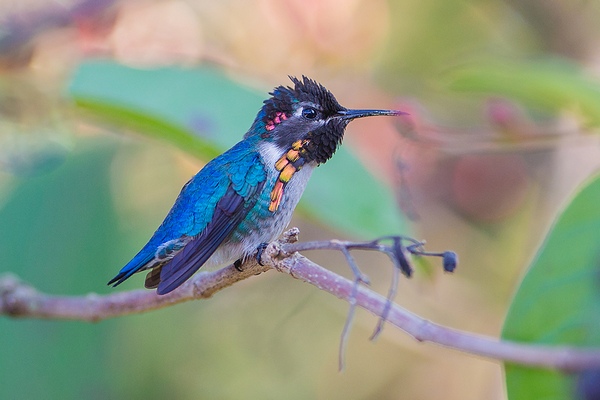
point(121, 277)
point(137, 264)
point(153, 278)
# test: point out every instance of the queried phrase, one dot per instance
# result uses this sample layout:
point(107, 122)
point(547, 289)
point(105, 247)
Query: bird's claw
point(259, 252)
point(238, 264)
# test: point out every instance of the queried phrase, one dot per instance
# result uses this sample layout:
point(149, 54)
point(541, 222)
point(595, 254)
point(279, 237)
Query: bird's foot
point(259, 252)
point(238, 264)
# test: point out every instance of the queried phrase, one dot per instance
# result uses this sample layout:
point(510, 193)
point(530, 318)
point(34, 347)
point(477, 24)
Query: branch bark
point(20, 300)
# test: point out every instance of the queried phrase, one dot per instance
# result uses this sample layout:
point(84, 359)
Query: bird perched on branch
point(245, 197)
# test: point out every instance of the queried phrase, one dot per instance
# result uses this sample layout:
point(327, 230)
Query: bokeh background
point(108, 107)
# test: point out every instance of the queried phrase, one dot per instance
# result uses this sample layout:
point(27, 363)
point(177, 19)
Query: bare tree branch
point(18, 299)
point(559, 357)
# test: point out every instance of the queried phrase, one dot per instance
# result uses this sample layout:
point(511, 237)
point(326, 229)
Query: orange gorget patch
point(290, 163)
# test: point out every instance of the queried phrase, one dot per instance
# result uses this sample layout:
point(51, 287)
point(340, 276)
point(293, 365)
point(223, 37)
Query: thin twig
point(557, 357)
point(18, 299)
point(347, 325)
point(397, 252)
point(388, 304)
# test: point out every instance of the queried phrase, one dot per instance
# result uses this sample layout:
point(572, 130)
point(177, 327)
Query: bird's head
point(306, 116)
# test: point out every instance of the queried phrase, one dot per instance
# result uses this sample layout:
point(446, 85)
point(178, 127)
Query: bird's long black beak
point(353, 114)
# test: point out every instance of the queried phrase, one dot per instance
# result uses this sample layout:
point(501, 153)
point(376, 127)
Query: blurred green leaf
point(202, 110)
point(151, 126)
point(60, 233)
point(558, 301)
point(552, 85)
point(203, 103)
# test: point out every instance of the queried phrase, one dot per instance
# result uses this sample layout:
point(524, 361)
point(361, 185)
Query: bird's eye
point(309, 113)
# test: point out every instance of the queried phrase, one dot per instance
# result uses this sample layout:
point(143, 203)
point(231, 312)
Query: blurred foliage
point(551, 85)
point(92, 154)
point(558, 301)
point(63, 230)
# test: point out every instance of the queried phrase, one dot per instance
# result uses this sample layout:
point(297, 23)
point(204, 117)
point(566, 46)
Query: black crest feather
point(283, 97)
point(310, 90)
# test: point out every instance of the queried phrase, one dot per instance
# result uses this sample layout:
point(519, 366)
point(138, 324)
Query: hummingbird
point(245, 197)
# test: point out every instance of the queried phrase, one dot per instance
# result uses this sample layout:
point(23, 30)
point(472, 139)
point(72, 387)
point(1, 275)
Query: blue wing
point(230, 211)
point(208, 209)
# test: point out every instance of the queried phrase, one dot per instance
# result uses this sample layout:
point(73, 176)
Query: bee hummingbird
point(245, 197)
